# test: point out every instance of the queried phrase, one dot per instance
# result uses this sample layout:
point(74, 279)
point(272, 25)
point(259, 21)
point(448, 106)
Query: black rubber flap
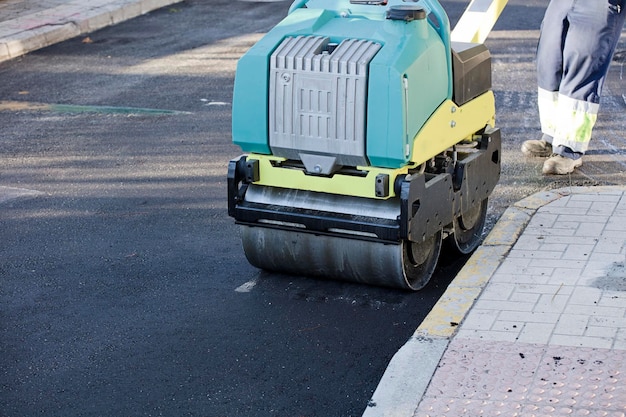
point(406, 12)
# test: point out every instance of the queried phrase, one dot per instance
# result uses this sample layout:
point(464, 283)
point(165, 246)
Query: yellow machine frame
point(448, 125)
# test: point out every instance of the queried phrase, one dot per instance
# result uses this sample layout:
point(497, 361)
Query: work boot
point(560, 165)
point(536, 147)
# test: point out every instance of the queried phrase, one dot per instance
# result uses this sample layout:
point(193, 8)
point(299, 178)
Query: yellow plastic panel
point(450, 124)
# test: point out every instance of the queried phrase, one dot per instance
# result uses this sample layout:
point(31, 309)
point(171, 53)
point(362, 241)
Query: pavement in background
point(26, 26)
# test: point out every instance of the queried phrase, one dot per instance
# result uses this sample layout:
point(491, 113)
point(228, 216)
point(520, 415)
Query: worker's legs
point(578, 39)
point(554, 29)
point(577, 42)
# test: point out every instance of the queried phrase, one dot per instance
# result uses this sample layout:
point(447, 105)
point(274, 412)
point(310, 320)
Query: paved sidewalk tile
point(483, 378)
point(563, 276)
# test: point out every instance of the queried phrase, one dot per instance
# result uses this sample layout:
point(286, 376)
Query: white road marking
point(247, 287)
point(10, 193)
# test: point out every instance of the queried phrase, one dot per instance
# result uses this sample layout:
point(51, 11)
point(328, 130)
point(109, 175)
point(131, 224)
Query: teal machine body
point(409, 75)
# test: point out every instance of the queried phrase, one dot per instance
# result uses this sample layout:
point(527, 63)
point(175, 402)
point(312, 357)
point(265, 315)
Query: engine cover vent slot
point(318, 98)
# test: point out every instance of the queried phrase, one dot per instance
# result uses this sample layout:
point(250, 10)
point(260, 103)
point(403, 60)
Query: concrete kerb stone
point(67, 21)
point(59, 33)
point(121, 14)
point(24, 42)
point(509, 227)
point(406, 378)
point(148, 5)
point(409, 372)
point(4, 52)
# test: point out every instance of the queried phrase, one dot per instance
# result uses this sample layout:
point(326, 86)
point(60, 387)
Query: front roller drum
point(407, 265)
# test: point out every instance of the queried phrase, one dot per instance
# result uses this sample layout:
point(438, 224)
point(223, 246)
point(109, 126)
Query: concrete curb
point(408, 375)
point(34, 31)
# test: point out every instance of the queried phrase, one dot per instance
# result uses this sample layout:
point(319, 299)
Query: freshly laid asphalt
point(533, 325)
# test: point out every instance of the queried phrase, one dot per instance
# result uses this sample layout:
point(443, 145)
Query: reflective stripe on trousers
point(567, 120)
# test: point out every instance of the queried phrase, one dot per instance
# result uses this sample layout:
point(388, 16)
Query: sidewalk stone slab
point(478, 378)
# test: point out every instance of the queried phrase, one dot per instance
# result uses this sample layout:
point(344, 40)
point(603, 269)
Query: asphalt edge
point(409, 372)
point(73, 22)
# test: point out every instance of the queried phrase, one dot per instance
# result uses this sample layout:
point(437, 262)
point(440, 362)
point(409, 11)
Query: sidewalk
point(533, 325)
point(27, 25)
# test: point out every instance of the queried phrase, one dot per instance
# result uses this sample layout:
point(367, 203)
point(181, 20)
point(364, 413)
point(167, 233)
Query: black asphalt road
point(124, 290)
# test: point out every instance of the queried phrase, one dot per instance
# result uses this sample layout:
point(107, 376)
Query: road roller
point(369, 142)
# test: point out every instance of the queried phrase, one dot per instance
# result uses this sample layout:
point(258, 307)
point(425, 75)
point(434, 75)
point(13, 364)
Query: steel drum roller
point(401, 265)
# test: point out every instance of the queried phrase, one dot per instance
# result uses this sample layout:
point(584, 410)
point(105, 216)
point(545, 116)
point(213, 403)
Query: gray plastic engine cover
point(318, 98)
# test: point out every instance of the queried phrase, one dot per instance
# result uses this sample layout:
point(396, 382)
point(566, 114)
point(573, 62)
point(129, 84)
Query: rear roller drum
point(420, 260)
point(468, 228)
point(407, 265)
